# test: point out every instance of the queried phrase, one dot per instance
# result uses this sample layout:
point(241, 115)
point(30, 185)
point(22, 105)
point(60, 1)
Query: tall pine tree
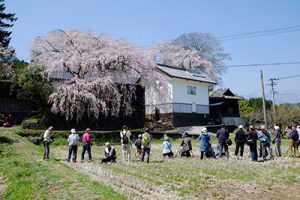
point(6, 20)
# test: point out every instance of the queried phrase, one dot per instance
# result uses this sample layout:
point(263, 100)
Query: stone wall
point(170, 121)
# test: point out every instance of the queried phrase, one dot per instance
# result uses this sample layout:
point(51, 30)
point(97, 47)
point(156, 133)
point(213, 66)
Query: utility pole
point(272, 84)
point(263, 98)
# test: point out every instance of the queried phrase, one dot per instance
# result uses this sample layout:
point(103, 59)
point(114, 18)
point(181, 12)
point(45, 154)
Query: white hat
point(241, 126)
point(204, 130)
point(262, 127)
point(107, 143)
point(73, 131)
point(276, 127)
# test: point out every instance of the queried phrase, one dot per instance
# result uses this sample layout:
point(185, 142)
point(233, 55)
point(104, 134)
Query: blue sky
point(147, 22)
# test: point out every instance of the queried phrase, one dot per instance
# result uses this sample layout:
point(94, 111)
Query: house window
point(191, 90)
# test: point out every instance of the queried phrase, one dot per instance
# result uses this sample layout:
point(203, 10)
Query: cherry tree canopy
point(6, 56)
point(92, 65)
point(198, 52)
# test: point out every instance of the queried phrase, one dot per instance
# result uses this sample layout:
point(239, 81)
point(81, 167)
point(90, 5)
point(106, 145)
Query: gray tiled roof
point(223, 93)
point(184, 74)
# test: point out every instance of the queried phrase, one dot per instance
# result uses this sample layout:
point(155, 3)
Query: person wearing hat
point(204, 139)
point(252, 142)
point(138, 145)
point(240, 139)
point(73, 145)
point(167, 148)
point(109, 154)
point(277, 140)
point(125, 135)
point(265, 141)
point(186, 145)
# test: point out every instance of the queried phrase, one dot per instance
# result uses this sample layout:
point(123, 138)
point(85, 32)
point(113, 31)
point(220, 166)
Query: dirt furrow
point(125, 184)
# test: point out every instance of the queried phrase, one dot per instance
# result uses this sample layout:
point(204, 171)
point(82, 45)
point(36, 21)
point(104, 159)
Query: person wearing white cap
point(277, 140)
point(73, 145)
point(265, 141)
point(240, 140)
point(110, 154)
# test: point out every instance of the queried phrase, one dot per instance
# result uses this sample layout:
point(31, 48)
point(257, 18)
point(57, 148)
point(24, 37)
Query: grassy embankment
point(27, 176)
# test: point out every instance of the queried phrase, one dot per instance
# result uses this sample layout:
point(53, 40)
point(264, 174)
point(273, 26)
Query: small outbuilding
point(224, 107)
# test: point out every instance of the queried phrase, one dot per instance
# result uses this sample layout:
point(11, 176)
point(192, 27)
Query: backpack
point(295, 135)
point(146, 139)
point(125, 138)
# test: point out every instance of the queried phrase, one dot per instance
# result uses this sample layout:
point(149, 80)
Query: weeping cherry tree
point(99, 72)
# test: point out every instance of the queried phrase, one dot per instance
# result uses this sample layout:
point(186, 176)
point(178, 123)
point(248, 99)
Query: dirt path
point(125, 184)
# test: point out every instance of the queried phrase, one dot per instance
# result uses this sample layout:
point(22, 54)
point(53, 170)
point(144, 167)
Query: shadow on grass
point(7, 140)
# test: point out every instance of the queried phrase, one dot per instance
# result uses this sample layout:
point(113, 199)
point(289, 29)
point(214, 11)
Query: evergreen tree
point(6, 20)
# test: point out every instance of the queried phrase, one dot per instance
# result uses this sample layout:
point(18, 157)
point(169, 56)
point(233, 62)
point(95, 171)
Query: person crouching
point(110, 154)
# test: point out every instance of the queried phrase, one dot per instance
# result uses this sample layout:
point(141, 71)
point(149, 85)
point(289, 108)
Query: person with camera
point(265, 140)
point(46, 141)
point(223, 138)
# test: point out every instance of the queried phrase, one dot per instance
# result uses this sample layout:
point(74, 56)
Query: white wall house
point(187, 95)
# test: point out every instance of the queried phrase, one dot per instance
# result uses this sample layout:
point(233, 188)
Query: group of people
point(73, 140)
point(250, 136)
point(257, 139)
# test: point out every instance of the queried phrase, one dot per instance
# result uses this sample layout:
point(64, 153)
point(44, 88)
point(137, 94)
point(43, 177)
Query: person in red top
point(86, 144)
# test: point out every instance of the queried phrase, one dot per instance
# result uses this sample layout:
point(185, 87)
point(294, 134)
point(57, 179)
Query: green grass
point(211, 179)
point(29, 177)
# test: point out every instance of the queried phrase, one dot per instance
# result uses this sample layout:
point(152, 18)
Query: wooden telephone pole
point(263, 98)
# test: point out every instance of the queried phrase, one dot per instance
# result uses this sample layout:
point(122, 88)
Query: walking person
point(46, 141)
point(277, 140)
point(265, 141)
point(240, 139)
point(223, 136)
point(252, 142)
point(73, 145)
point(109, 154)
point(204, 139)
point(186, 146)
point(125, 135)
point(293, 139)
point(167, 148)
point(86, 144)
point(138, 145)
point(146, 145)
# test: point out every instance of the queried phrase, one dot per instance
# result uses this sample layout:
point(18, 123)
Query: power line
point(286, 77)
point(260, 33)
point(263, 64)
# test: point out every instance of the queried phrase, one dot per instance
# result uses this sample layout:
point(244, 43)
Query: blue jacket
point(204, 140)
point(264, 136)
point(167, 147)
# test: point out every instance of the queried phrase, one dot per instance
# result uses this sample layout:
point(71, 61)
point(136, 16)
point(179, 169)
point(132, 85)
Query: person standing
point(73, 145)
point(125, 135)
point(252, 142)
point(204, 139)
point(146, 145)
point(86, 144)
point(277, 140)
point(240, 139)
point(265, 141)
point(293, 138)
point(138, 145)
point(46, 141)
point(109, 154)
point(186, 146)
point(167, 148)
point(223, 136)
